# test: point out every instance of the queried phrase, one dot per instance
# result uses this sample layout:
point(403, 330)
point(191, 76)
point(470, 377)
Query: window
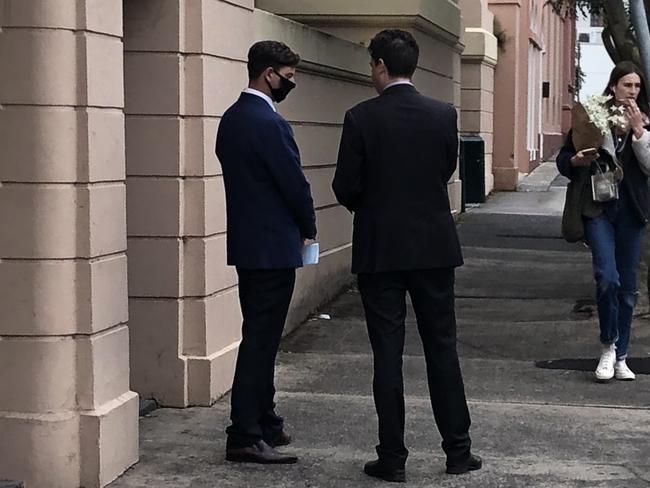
point(535, 64)
point(583, 37)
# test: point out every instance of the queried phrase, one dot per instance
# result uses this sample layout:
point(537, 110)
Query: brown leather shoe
point(260, 453)
point(282, 439)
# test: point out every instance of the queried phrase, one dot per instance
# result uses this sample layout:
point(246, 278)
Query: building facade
point(479, 60)
point(535, 82)
point(113, 267)
point(112, 256)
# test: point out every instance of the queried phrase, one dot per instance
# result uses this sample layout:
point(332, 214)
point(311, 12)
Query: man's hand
point(580, 159)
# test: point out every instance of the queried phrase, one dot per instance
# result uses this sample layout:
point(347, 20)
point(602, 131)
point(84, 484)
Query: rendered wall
point(436, 25)
point(184, 65)
point(510, 157)
point(479, 60)
point(67, 416)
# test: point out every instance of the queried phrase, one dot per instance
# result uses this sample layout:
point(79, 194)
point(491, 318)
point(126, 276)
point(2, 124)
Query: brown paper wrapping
point(584, 133)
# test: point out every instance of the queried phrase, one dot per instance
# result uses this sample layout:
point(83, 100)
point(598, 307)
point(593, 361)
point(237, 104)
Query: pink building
point(534, 81)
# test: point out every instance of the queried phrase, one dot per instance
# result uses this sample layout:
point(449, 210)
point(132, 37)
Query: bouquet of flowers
point(593, 119)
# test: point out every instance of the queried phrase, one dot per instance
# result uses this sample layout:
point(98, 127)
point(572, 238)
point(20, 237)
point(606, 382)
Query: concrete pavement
point(524, 297)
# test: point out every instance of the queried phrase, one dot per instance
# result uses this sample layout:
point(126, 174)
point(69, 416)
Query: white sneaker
point(605, 369)
point(622, 372)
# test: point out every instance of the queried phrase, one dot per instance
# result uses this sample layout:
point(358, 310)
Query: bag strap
point(612, 165)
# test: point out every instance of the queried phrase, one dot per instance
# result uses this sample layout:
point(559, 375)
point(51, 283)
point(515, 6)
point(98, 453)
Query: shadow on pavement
point(638, 365)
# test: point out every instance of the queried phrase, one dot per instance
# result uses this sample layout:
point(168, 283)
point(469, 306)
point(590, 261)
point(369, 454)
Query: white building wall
point(594, 60)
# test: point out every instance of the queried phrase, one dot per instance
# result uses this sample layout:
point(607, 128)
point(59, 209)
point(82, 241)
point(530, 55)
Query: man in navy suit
point(270, 214)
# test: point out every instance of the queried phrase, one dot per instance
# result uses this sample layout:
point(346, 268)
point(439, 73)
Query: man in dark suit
point(397, 153)
point(270, 214)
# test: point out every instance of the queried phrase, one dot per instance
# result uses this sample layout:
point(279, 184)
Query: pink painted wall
point(510, 95)
point(530, 23)
point(559, 61)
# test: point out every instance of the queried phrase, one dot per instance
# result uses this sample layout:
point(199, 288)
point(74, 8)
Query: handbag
point(604, 184)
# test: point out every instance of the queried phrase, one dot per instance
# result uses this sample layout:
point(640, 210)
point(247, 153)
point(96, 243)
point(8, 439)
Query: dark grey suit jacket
point(397, 153)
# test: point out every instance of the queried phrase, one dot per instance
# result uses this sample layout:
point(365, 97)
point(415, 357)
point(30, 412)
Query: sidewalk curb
point(540, 179)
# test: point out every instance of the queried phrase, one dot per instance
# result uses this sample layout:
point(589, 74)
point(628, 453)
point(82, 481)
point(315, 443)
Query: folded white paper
point(310, 253)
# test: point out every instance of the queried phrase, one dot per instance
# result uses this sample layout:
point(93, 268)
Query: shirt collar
point(398, 82)
point(262, 95)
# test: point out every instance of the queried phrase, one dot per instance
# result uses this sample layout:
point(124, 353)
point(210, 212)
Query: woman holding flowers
point(607, 159)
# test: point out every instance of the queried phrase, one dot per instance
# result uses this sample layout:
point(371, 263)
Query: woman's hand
point(580, 159)
point(634, 117)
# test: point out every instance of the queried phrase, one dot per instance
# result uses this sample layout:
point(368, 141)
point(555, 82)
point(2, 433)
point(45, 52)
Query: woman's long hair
point(622, 69)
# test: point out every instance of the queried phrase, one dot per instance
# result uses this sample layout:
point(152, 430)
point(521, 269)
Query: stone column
point(184, 65)
point(67, 417)
point(510, 95)
point(436, 25)
point(479, 60)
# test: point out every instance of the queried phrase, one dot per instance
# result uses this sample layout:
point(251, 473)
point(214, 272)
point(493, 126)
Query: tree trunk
point(618, 24)
point(608, 42)
point(639, 17)
point(640, 23)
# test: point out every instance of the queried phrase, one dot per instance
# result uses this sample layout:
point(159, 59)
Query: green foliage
point(619, 38)
point(580, 75)
point(571, 8)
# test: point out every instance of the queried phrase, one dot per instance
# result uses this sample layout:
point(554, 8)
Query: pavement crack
point(531, 298)
point(425, 400)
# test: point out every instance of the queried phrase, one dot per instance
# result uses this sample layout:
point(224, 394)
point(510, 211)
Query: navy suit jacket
point(268, 200)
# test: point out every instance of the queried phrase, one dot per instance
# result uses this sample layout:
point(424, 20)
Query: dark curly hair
point(398, 49)
point(265, 54)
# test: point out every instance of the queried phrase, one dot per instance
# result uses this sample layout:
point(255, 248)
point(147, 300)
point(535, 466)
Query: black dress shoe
point(473, 463)
point(377, 470)
point(260, 453)
point(281, 439)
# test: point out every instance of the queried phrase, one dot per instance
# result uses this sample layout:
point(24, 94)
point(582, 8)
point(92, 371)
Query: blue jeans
point(615, 240)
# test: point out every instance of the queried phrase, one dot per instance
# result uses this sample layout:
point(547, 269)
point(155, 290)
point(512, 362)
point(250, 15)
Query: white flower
point(617, 117)
point(602, 116)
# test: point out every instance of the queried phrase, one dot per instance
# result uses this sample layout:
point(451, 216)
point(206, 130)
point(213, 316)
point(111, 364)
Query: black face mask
point(280, 93)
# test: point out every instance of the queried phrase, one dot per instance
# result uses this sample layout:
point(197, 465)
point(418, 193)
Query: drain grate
point(638, 365)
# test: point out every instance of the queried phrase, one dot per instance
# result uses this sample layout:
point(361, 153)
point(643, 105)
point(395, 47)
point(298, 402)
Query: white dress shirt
point(262, 95)
point(399, 82)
